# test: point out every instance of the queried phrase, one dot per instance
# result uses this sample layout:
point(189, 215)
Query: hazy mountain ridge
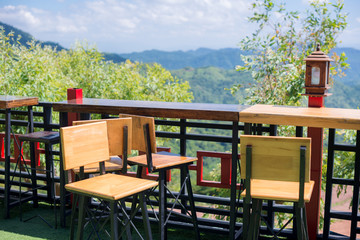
point(226, 58)
point(26, 37)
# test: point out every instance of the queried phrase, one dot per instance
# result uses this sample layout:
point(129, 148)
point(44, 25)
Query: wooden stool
point(275, 168)
point(143, 131)
point(49, 138)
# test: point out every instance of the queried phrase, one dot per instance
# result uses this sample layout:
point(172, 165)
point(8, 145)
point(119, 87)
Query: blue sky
point(124, 26)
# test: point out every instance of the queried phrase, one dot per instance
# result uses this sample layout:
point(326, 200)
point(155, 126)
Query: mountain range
point(209, 71)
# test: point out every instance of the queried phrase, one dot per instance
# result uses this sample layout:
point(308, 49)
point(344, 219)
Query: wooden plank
point(7, 102)
point(279, 190)
point(111, 186)
point(115, 133)
point(299, 116)
point(84, 144)
point(162, 161)
point(222, 112)
point(275, 158)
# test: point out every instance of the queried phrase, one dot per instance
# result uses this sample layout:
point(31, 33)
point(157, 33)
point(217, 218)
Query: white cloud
point(161, 22)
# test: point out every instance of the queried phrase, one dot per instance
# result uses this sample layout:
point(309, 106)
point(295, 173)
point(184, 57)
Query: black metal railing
point(206, 204)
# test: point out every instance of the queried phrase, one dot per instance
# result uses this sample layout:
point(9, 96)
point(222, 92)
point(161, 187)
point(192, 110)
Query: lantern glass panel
point(326, 73)
point(315, 76)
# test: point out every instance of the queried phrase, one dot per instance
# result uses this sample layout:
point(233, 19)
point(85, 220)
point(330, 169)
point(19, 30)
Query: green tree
point(280, 43)
point(44, 72)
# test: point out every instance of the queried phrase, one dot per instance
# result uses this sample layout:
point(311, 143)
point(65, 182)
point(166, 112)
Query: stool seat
point(278, 190)
point(161, 161)
point(42, 136)
point(111, 186)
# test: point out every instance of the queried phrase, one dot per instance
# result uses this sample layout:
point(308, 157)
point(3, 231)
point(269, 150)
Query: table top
point(7, 101)
point(302, 116)
point(221, 112)
point(267, 114)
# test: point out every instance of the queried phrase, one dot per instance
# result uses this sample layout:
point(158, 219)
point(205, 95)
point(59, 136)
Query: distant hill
point(353, 58)
point(226, 58)
point(26, 37)
point(208, 83)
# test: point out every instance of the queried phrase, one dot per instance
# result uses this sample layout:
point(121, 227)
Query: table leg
point(7, 163)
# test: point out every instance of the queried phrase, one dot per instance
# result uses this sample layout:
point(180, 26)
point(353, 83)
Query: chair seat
point(111, 186)
point(112, 165)
point(161, 161)
point(278, 190)
point(41, 136)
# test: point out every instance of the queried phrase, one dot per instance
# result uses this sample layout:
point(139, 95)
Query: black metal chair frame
point(164, 217)
point(49, 139)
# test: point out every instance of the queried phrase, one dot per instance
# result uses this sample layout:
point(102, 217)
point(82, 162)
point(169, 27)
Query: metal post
point(355, 200)
point(233, 213)
point(7, 162)
point(63, 122)
point(182, 153)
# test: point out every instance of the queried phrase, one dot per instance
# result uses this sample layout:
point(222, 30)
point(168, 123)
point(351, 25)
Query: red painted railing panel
point(225, 170)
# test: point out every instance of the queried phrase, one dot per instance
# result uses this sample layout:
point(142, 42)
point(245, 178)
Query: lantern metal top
point(318, 55)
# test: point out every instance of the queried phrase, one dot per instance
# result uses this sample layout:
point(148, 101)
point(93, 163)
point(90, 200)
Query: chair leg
point(305, 223)
point(72, 218)
point(114, 221)
point(246, 220)
point(125, 219)
point(33, 175)
point(255, 219)
point(145, 216)
point(62, 194)
point(81, 220)
point(191, 200)
point(299, 222)
point(162, 205)
point(50, 176)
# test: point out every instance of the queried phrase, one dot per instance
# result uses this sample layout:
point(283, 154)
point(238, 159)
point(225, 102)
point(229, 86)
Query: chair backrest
point(115, 131)
point(275, 158)
point(84, 144)
point(138, 137)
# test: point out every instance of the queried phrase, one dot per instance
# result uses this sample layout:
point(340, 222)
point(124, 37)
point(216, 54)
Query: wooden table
point(300, 116)
point(220, 112)
point(8, 102)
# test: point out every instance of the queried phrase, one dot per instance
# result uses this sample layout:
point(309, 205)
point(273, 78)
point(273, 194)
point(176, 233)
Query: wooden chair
point(143, 132)
point(88, 144)
point(115, 133)
point(275, 168)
